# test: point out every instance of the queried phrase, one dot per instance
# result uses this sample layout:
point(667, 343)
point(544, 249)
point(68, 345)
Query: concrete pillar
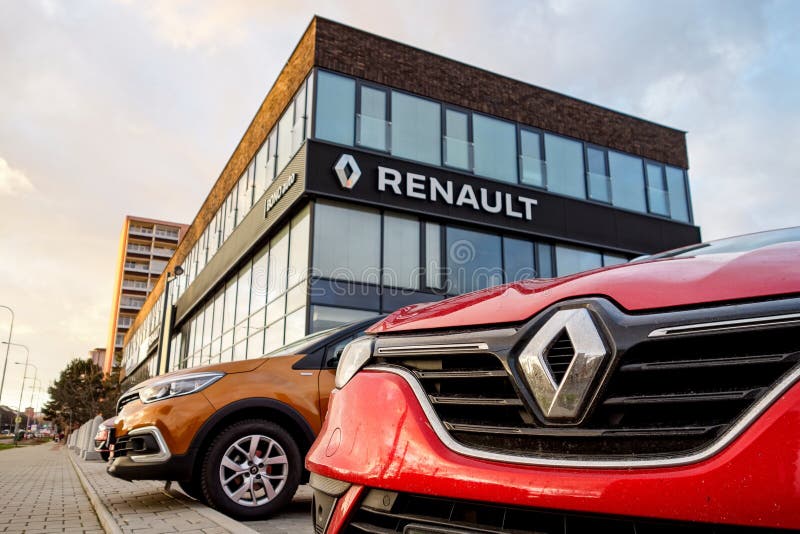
point(91, 430)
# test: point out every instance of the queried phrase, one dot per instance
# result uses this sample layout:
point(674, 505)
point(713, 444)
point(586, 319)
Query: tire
point(238, 483)
point(193, 489)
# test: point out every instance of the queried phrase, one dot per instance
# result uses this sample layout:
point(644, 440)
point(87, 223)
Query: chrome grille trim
point(427, 350)
point(722, 326)
point(599, 463)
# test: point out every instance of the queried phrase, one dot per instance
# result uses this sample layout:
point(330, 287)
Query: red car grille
point(663, 396)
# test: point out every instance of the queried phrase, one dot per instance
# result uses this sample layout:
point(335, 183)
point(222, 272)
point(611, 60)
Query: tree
point(82, 392)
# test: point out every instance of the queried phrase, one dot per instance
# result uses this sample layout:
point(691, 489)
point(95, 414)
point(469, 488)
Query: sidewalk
point(40, 492)
point(47, 488)
point(144, 506)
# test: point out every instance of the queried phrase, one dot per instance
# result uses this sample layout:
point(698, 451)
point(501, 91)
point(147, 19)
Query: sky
point(118, 107)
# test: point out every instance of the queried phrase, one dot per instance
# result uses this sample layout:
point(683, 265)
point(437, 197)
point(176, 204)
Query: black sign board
point(352, 175)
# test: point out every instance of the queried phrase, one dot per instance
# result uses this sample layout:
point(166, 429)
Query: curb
point(219, 518)
point(103, 515)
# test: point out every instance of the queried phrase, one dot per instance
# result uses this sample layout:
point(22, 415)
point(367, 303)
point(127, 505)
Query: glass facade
point(430, 132)
point(334, 262)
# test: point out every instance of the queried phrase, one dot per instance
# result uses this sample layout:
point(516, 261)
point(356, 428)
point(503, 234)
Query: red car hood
point(647, 285)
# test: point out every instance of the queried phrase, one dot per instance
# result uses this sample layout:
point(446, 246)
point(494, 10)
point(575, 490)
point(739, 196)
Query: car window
point(334, 351)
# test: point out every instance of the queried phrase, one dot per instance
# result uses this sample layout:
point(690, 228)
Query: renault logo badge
point(564, 400)
point(347, 171)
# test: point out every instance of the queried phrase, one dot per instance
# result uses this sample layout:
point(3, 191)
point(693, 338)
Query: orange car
point(234, 434)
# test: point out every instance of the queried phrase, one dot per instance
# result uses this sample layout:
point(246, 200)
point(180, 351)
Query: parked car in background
point(232, 434)
point(104, 438)
point(656, 396)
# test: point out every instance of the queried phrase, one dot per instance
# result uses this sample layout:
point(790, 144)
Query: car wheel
point(192, 488)
point(252, 469)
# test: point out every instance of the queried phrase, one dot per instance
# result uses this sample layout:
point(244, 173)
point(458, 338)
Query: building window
point(518, 260)
point(433, 256)
point(571, 260)
point(495, 146)
point(531, 162)
point(678, 195)
point(372, 125)
point(613, 259)
point(285, 138)
point(564, 166)
point(416, 126)
point(627, 182)
point(400, 251)
point(457, 146)
point(474, 260)
point(657, 197)
point(336, 104)
point(324, 317)
point(597, 174)
point(356, 258)
point(299, 123)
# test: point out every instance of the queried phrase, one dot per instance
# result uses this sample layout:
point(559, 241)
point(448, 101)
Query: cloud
point(13, 181)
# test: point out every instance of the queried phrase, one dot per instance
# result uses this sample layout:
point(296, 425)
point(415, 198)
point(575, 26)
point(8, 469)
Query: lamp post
point(8, 346)
point(170, 277)
point(33, 389)
point(18, 418)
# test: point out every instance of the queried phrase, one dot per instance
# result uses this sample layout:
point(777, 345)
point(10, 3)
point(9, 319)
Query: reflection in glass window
point(371, 121)
point(599, 182)
point(298, 124)
point(356, 258)
point(285, 138)
point(678, 199)
point(298, 248)
point(564, 166)
point(457, 149)
point(258, 286)
point(657, 189)
point(531, 162)
point(295, 325)
point(416, 126)
point(627, 181)
point(613, 259)
point(336, 108)
point(245, 198)
point(272, 141)
point(433, 256)
point(570, 260)
point(260, 167)
point(495, 148)
point(243, 298)
point(518, 259)
point(278, 264)
point(473, 260)
point(324, 317)
point(273, 338)
point(544, 260)
point(230, 306)
point(400, 251)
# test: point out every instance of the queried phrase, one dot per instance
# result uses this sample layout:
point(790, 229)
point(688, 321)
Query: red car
point(656, 396)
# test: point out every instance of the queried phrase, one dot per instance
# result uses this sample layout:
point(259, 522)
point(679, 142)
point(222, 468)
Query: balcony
point(136, 285)
point(171, 235)
point(133, 304)
point(163, 252)
point(140, 230)
point(124, 322)
point(138, 249)
point(136, 267)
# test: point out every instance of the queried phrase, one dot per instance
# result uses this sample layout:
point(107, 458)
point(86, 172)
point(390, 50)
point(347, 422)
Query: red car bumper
point(755, 481)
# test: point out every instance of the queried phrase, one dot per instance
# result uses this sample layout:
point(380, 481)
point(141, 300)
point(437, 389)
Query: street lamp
point(18, 418)
point(8, 346)
point(170, 277)
point(33, 390)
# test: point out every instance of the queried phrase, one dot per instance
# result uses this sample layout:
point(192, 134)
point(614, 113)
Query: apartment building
point(145, 247)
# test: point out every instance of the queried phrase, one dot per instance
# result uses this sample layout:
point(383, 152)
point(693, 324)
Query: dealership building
point(376, 175)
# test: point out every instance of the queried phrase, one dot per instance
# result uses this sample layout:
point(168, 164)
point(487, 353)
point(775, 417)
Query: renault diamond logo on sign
point(562, 396)
point(347, 171)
